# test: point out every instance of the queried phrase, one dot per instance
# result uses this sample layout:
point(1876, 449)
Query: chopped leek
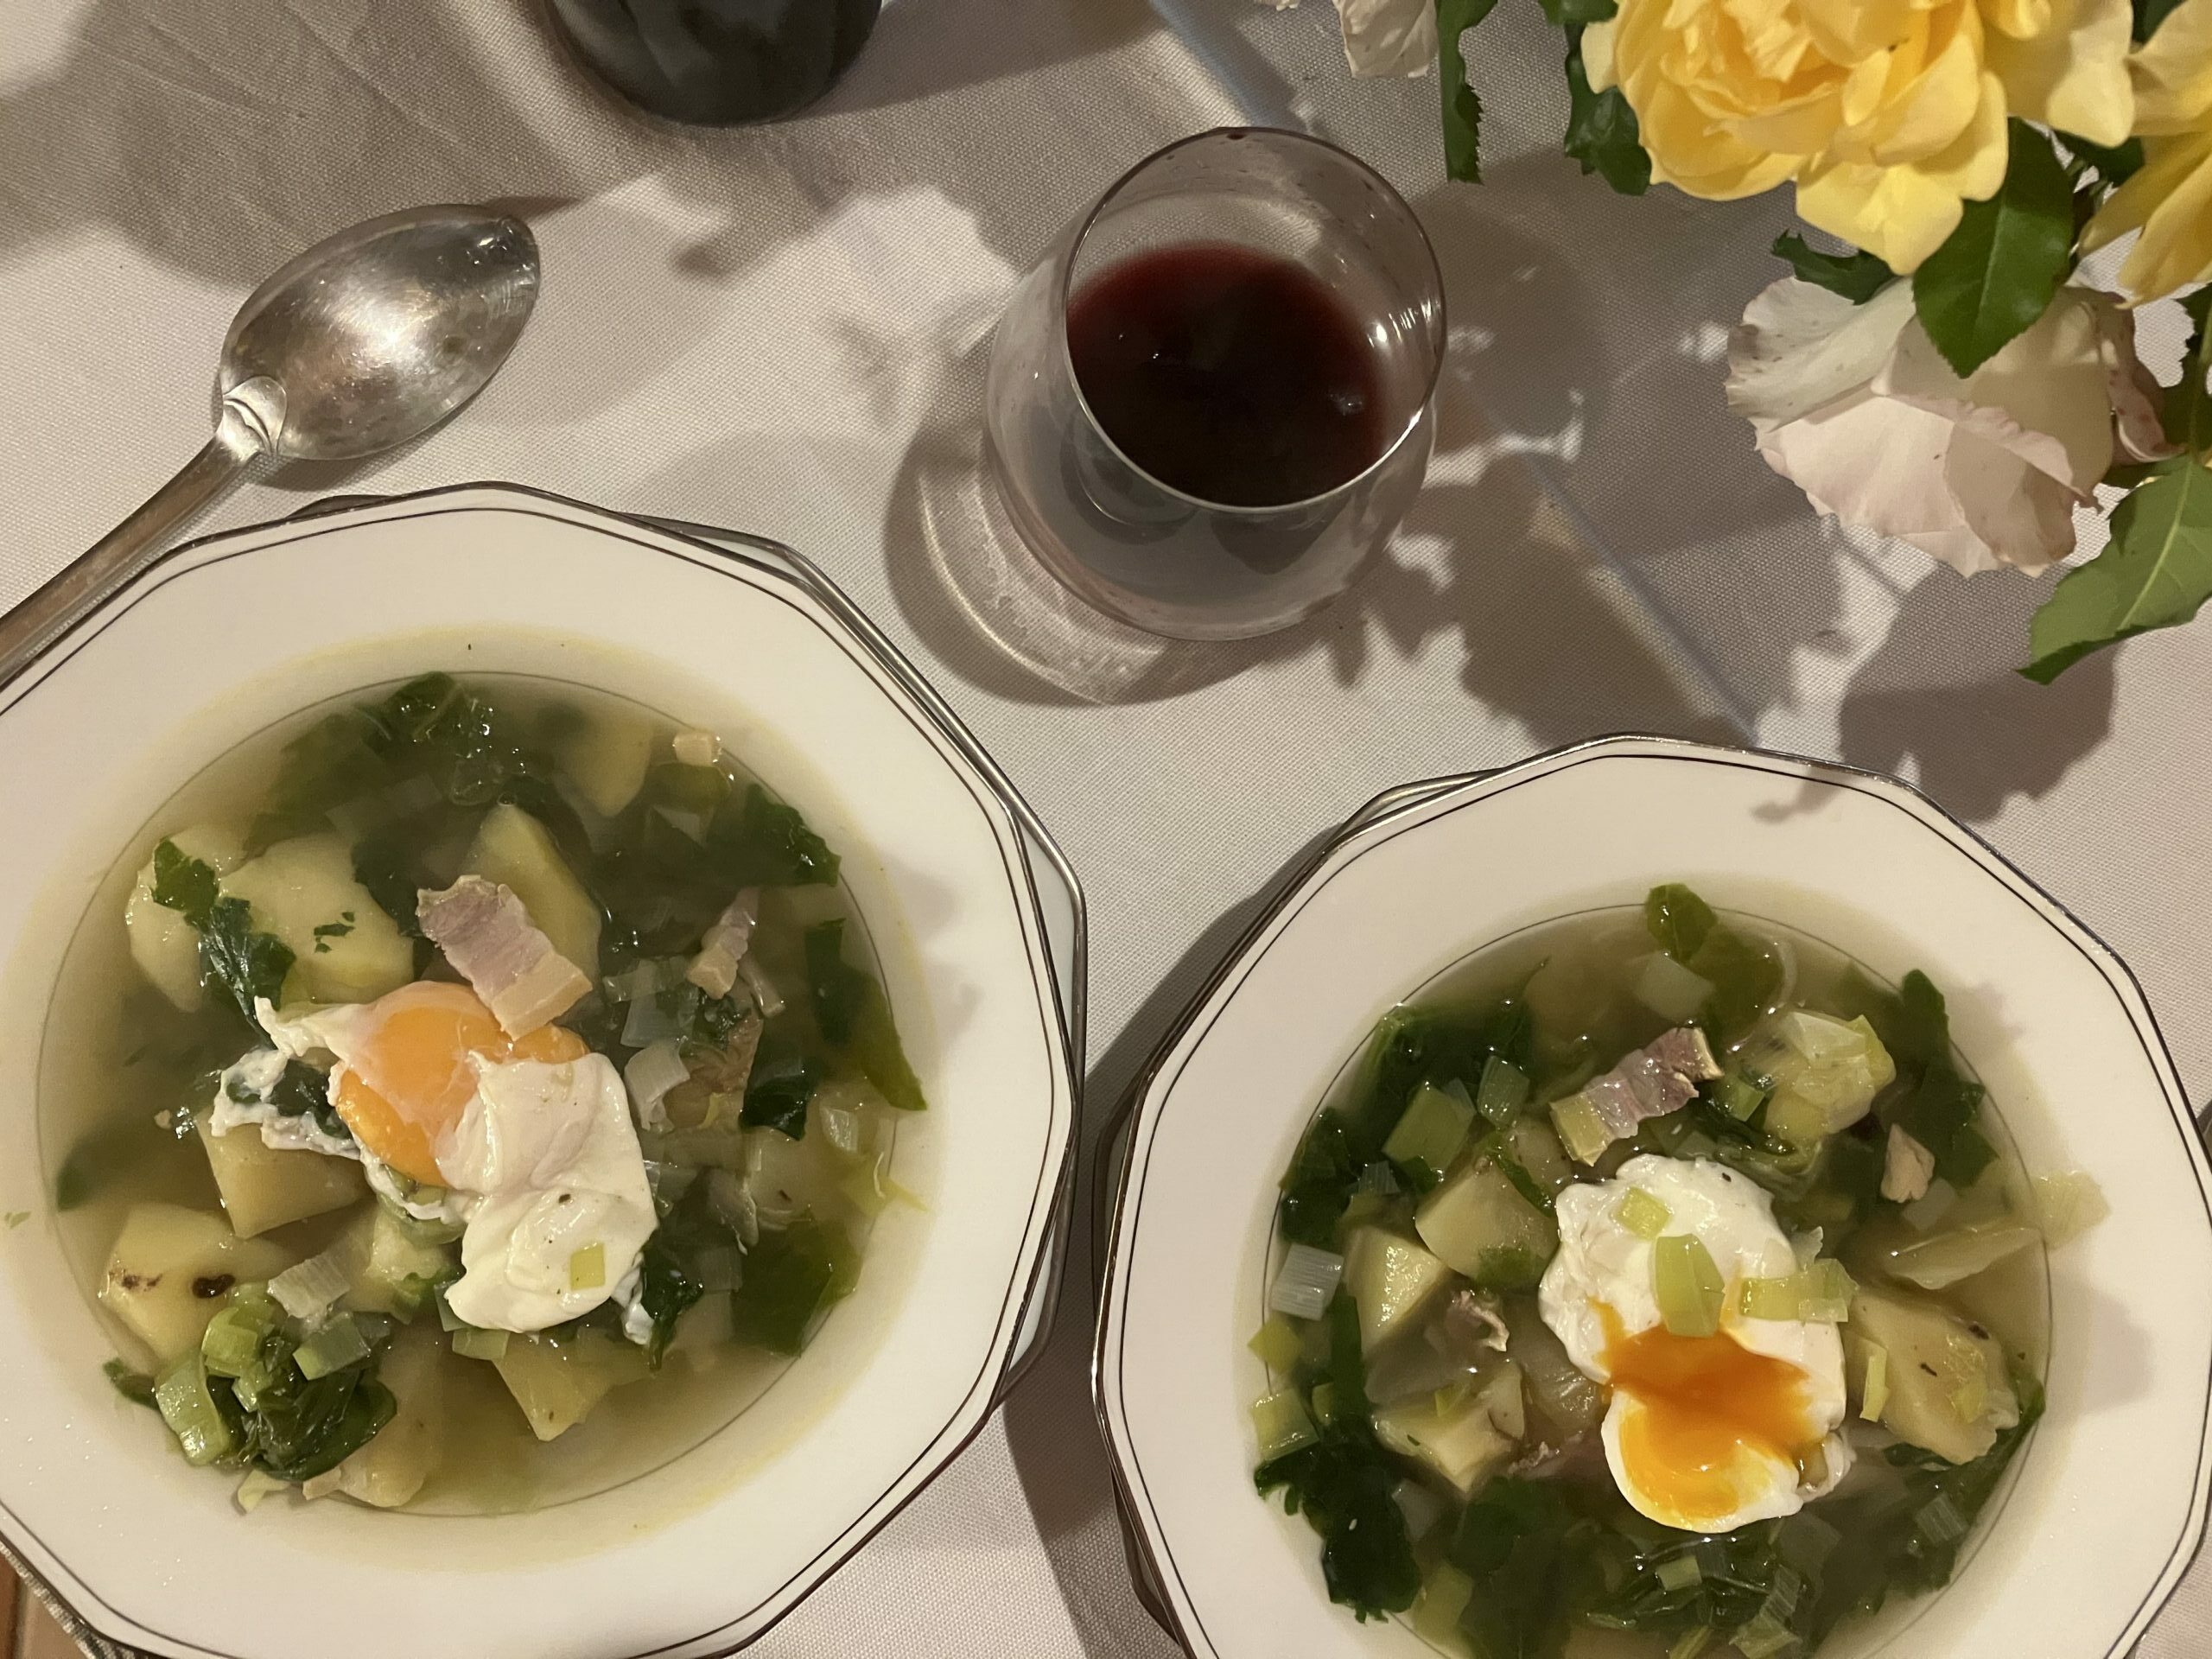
point(233, 1341)
point(1691, 1643)
point(1941, 1520)
point(1282, 1424)
point(312, 1288)
point(1688, 1286)
point(1763, 1637)
point(1444, 1597)
point(1580, 1129)
point(1503, 1091)
point(1942, 1259)
point(2067, 1205)
point(257, 1484)
point(1929, 1210)
point(1875, 1394)
point(1305, 1282)
point(1643, 1214)
point(1738, 1096)
point(1276, 1344)
point(1325, 1403)
point(1818, 1294)
point(182, 1396)
point(470, 1342)
point(1421, 1508)
point(1430, 1131)
point(331, 1347)
point(587, 1267)
point(1681, 1572)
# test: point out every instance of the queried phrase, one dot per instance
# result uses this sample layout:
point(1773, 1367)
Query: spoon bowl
point(383, 331)
point(363, 343)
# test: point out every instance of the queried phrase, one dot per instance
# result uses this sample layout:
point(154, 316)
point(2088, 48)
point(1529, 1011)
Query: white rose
point(1855, 406)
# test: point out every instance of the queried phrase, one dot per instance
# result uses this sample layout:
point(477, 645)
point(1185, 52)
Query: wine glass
point(1213, 400)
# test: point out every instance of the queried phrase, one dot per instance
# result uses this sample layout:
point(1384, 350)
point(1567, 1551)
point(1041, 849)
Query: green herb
point(330, 930)
point(853, 1014)
point(665, 1291)
point(1318, 1184)
point(1858, 276)
point(1601, 127)
point(1679, 921)
point(1513, 1541)
point(790, 1279)
point(234, 959)
point(2156, 572)
point(16, 1218)
point(1997, 271)
point(300, 1091)
point(768, 844)
point(1342, 1484)
point(1463, 110)
point(1576, 14)
point(135, 1386)
point(777, 1095)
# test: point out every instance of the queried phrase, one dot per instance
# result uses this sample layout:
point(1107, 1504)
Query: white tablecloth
point(780, 330)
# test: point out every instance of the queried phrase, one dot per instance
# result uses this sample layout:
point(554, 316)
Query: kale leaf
point(777, 1095)
point(1343, 1484)
point(234, 959)
point(790, 1279)
point(665, 1290)
point(765, 843)
point(853, 1014)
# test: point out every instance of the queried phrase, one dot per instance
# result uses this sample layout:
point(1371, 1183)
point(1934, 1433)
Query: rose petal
point(1389, 37)
point(1800, 347)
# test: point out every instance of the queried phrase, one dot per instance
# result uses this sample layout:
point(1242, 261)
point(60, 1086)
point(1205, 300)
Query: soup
point(472, 1095)
point(1658, 1283)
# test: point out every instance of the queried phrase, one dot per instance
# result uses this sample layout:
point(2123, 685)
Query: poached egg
point(527, 1141)
point(1703, 1433)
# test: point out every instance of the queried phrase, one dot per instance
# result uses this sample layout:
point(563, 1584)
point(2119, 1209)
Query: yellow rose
point(1889, 114)
point(2170, 200)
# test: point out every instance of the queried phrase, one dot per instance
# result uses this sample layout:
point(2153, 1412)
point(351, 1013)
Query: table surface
point(782, 330)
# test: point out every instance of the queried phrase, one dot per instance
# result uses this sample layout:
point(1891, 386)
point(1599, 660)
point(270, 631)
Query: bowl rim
point(767, 564)
point(1140, 1100)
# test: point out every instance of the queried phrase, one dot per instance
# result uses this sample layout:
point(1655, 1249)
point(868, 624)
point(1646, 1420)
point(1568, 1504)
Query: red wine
point(1228, 373)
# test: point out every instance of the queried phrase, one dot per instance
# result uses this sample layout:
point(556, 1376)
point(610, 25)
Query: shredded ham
point(489, 938)
point(713, 970)
point(1660, 1077)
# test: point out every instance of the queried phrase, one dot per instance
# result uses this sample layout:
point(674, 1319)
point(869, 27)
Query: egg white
point(1602, 1265)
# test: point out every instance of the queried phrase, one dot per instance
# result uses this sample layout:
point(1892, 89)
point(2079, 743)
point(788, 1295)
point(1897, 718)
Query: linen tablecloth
point(781, 330)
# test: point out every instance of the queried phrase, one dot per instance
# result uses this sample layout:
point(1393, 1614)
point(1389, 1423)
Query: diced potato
point(397, 1267)
point(788, 1178)
point(557, 1384)
point(263, 1188)
point(1464, 1444)
point(1481, 1226)
point(170, 1269)
point(606, 757)
point(390, 1469)
point(165, 946)
point(1391, 1279)
point(514, 849)
point(1536, 1149)
point(306, 883)
point(1936, 1362)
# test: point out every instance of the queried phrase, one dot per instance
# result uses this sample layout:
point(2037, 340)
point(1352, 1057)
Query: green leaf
point(1575, 14)
point(855, 1016)
point(1677, 919)
point(1601, 128)
point(2149, 14)
point(776, 1097)
point(184, 884)
point(770, 845)
point(791, 1278)
point(2157, 571)
point(1463, 110)
point(1858, 276)
point(2115, 164)
point(239, 962)
point(1996, 272)
point(665, 1291)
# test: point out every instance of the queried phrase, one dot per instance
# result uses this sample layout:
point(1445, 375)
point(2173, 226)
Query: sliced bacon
point(488, 936)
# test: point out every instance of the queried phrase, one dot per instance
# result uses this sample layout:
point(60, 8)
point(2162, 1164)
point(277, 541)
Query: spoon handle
point(125, 550)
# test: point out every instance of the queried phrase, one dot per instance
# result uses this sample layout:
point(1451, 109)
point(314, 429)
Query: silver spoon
point(364, 341)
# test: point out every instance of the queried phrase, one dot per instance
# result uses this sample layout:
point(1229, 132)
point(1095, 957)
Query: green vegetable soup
point(468, 1096)
point(1658, 1283)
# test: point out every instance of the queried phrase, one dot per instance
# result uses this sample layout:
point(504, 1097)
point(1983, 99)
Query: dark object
point(718, 62)
point(1228, 374)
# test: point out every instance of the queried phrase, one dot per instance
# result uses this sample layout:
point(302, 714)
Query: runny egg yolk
point(406, 1081)
point(1709, 1408)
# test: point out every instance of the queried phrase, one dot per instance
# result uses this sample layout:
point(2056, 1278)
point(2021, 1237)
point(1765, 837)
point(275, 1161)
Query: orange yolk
point(406, 1083)
point(1706, 1404)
